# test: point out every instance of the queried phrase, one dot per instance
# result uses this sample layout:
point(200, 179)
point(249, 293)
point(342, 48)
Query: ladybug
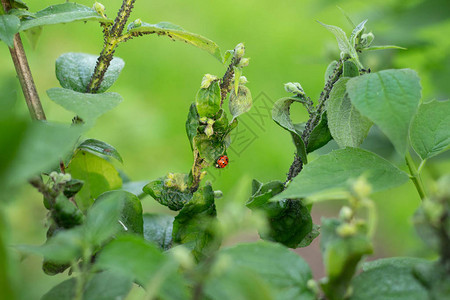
point(221, 162)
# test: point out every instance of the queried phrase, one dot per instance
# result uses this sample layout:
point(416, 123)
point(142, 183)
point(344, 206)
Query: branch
point(297, 165)
point(113, 38)
point(24, 73)
point(225, 82)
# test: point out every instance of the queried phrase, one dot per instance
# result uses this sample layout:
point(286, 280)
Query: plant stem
point(196, 171)
point(113, 38)
point(415, 177)
point(24, 73)
point(297, 165)
point(225, 82)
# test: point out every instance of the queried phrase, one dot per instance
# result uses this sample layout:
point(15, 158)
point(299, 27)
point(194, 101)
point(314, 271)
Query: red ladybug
point(221, 162)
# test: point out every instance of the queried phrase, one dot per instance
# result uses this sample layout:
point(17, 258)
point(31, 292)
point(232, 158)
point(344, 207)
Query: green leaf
point(41, 147)
point(262, 193)
point(330, 70)
point(87, 106)
point(135, 187)
point(221, 125)
point(430, 129)
point(237, 77)
point(344, 45)
point(9, 26)
point(142, 261)
point(8, 282)
point(350, 69)
point(102, 286)
point(398, 262)
point(331, 173)
point(388, 98)
point(74, 71)
point(240, 102)
point(178, 34)
point(289, 220)
point(131, 256)
point(66, 290)
point(18, 4)
point(346, 16)
point(434, 277)
point(281, 116)
point(192, 124)
point(390, 278)
point(285, 273)
point(347, 126)
point(51, 268)
point(192, 226)
point(341, 256)
point(320, 135)
point(130, 211)
point(158, 229)
point(107, 285)
point(65, 246)
point(98, 175)
point(102, 220)
point(100, 147)
point(356, 32)
point(172, 192)
point(384, 47)
point(65, 214)
point(63, 13)
point(209, 148)
point(72, 187)
point(208, 100)
point(237, 284)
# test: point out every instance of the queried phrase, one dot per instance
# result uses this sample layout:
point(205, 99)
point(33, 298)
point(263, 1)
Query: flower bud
point(239, 51)
point(294, 87)
point(313, 286)
point(66, 177)
point(346, 213)
point(244, 62)
point(362, 188)
point(209, 131)
point(137, 23)
point(207, 80)
point(53, 175)
point(183, 256)
point(99, 8)
point(346, 230)
point(242, 80)
point(218, 194)
point(367, 39)
point(168, 182)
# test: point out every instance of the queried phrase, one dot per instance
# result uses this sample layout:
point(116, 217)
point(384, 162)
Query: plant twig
point(226, 80)
point(297, 165)
point(225, 88)
point(113, 37)
point(415, 177)
point(24, 73)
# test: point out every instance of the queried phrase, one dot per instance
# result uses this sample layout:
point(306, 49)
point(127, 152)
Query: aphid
point(221, 162)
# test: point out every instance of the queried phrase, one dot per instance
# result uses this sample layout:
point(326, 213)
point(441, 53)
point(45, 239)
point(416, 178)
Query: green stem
point(113, 38)
point(415, 177)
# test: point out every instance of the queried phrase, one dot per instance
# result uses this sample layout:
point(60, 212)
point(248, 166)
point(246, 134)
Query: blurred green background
point(161, 78)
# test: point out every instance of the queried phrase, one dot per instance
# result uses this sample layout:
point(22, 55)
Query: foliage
point(97, 228)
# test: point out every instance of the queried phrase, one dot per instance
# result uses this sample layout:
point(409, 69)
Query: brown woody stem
point(24, 73)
